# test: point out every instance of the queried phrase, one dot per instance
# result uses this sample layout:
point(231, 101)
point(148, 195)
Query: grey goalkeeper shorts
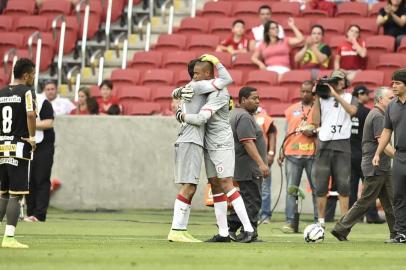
point(188, 163)
point(219, 163)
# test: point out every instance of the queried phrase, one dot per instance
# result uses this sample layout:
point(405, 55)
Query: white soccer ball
point(313, 233)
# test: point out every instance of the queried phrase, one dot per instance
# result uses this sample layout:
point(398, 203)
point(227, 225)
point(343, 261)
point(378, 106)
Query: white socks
point(220, 209)
point(239, 208)
point(10, 229)
point(181, 212)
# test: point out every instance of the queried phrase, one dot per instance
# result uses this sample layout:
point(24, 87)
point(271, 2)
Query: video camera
point(322, 90)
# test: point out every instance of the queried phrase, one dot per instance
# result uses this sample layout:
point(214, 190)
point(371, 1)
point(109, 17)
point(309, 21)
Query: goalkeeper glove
point(210, 58)
point(178, 115)
point(185, 93)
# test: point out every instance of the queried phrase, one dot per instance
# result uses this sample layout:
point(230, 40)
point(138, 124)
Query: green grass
point(137, 240)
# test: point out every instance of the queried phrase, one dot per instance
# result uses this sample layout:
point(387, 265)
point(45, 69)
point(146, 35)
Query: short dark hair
point(307, 82)
point(49, 81)
point(245, 92)
point(318, 26)
point(107, 83)
point(264, 7)
point(207, 64)
point(23, 66)
point(238, 21)
point(191, 67)
point(113, 110)
point(354, 25)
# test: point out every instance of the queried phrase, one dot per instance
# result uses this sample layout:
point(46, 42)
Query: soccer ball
point(313, 233)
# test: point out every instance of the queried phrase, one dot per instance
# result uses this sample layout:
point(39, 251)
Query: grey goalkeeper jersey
point(195, 133)
point(215, 114)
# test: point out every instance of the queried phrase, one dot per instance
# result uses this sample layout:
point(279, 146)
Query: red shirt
point(350, 60)
point(80, 112)
point(104, 105)
point(242, 44)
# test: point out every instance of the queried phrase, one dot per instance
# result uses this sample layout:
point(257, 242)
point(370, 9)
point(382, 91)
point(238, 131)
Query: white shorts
point(219, 163)
point(188, 163)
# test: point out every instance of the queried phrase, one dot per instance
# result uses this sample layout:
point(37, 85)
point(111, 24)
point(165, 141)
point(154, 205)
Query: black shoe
point(398, 239)
point(376, 220)
point(234, 237)
point(247, 237)
point(339, 237)
point(218, 238)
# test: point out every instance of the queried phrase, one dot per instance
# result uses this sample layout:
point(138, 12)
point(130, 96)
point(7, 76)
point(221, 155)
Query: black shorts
point(14, 175)
point(332, 163)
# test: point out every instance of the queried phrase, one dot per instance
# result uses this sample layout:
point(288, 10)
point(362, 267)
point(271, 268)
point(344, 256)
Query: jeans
point(294, 169)
point(266, 198)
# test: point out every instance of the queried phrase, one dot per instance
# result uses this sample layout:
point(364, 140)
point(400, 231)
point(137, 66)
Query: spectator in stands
point(237, 42)
point(265, 14)
point(107, 99)
point(60, 105)
point(273, 53)
point(351, 54)
point(86, 104)
point(393, 19)
point(315, 54)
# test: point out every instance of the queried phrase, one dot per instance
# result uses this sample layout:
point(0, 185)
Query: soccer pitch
point(137, 240)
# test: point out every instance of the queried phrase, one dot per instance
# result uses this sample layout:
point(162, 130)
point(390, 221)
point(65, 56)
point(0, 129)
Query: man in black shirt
point(395, 120)
point(41, 165)
point(393, 19)
point(17, 142)
point(362, 94)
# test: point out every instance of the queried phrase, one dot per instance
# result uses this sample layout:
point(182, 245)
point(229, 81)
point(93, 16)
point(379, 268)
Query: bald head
point(203, 71)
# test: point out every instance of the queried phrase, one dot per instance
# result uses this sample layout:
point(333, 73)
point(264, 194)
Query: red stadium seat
point(294, 95)
point(246, 9)
point(6, 23)
point(129, 94)
point(376, 7)
point(141, 108)
point(352, 9)
point(243, 62)
point(314, 14)
point(388, 63)
point(324, 72)
point(302, 24)
point(71, 34)
point(94, 18)
point(19, 8)
point(194, 26)
point(156, 77)
point(224, 57)
point(234, 90)
point(369, 78)
point(335, 41)
point(47, 50)
point(283, 10)
point(21, 53)
point(182, 77)
point(203, 43)
point(261, 78)
point(95, 91)
point(53, 8)
point(163, 96)
point(295, 78)
point(125, 77)
point(377, 45)
point(274, 99)
point(146, 60)
point(27, 25)
point(4, 79)
point(216, 9)
point(332, 26)
point(170, 42)
point(237, 76)
point(277, 109)
point(177, 60)
point(9, 41)
point(402, 47)
point(222, 27)
point(367, 25)
point(116, 10)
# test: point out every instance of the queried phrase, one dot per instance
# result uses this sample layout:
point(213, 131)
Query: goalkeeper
point(189, 144)
point(219, 155)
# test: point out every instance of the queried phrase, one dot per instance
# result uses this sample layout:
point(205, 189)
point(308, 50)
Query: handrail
point(125, 51)
point(148, 37)
point(6, 57)
point(108, 22)
point(151, 8)
point(85, 27)
point(193, 9)
point(61, 43)
point(71, 73)
point(171, 16)
point(163, 10)
point(37, 35)
point(140, 24)
point(129, 18)
point(77, 87)
point(116, 42)
point(97, 57)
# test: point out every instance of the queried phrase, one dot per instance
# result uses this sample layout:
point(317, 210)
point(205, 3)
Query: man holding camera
point(333, 110)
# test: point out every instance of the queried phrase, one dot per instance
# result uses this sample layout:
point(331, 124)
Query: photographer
point(333, 109)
